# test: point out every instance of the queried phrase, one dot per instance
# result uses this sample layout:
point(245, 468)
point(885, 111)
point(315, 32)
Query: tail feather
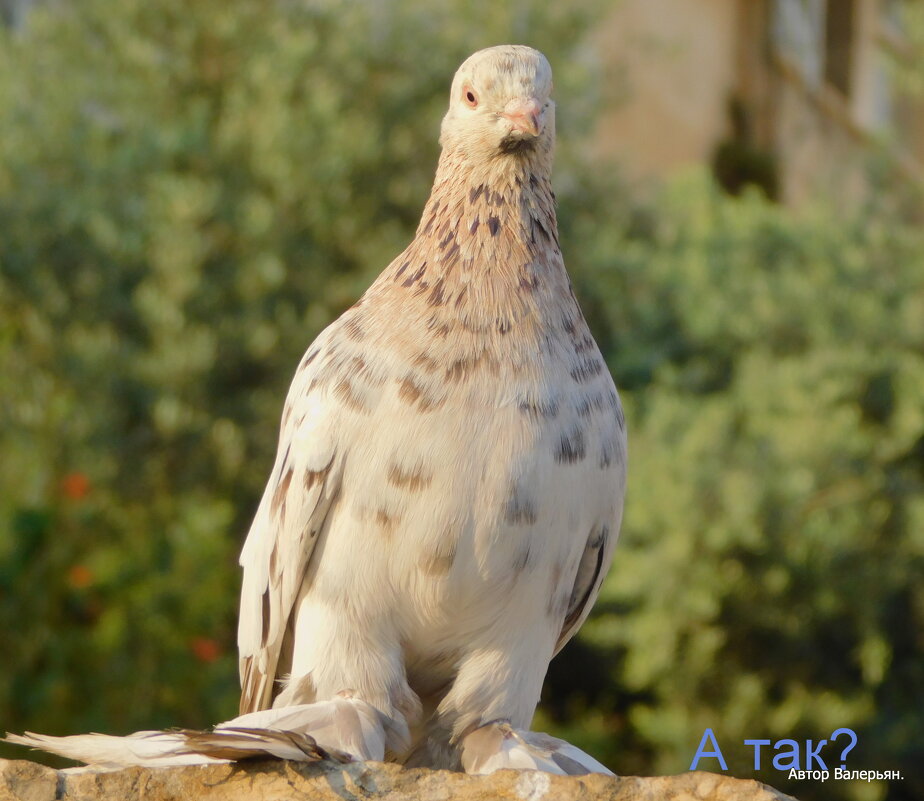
point(147, 748)
point(343, 729)
point(232, 743)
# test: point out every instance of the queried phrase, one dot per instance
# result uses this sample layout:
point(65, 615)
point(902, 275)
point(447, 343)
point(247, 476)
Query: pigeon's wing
point(598, 553)
point(291, 516)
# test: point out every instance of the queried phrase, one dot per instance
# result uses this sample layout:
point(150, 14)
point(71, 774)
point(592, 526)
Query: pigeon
point(449, 480)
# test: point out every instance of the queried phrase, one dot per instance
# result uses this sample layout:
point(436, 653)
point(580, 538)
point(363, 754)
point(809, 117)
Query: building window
point(839, 39)
point(816, 39)
point(13, 12)
point(799, 36)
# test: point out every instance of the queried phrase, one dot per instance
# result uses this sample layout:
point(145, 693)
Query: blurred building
point(793, 95)
point(12, 12)
point(796, 96)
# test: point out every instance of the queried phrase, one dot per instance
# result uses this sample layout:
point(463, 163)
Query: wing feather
point(287, 525)
point(598, 552)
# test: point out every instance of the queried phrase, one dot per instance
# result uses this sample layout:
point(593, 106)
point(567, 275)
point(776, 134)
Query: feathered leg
point(498, 745)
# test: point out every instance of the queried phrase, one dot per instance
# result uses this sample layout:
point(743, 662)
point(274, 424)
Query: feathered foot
point(344, 729)
point(498, 745)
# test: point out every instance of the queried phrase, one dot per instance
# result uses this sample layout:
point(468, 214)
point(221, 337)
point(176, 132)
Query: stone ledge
point(281, 781)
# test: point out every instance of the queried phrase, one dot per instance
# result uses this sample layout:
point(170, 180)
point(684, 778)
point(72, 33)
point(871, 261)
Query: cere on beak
point(524, 115)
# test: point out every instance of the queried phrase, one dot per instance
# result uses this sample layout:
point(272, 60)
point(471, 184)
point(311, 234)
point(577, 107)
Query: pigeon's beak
point(525, 116)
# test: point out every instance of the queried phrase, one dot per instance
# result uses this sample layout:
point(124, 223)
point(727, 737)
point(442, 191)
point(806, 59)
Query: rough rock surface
point(281, 781)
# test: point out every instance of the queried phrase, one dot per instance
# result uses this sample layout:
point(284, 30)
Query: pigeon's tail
point(149, 748)
point(498, 745)
point(343, 729)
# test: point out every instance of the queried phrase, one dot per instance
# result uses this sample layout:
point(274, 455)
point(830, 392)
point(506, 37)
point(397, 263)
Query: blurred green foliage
point(907, 60)
point(768, 580)
point(190, 192)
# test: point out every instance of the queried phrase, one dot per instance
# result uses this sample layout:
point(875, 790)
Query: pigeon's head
point(500, 104)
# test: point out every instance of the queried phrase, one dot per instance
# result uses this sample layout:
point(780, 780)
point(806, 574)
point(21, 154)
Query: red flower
point(75, 486)
point(79, 576)
point(205, 649)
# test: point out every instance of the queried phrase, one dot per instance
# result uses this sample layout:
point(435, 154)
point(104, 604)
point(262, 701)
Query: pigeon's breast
point(472, 485)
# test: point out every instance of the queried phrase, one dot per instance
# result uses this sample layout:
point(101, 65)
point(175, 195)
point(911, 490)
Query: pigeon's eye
point(471, 99)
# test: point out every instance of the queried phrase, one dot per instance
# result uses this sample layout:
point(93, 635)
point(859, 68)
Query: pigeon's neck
point(504, 169)
point(485, 261)
point(499, 209)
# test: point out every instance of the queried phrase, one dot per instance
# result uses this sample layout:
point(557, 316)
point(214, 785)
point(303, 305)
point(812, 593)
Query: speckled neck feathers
point(485, 257)
point(510, 195)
